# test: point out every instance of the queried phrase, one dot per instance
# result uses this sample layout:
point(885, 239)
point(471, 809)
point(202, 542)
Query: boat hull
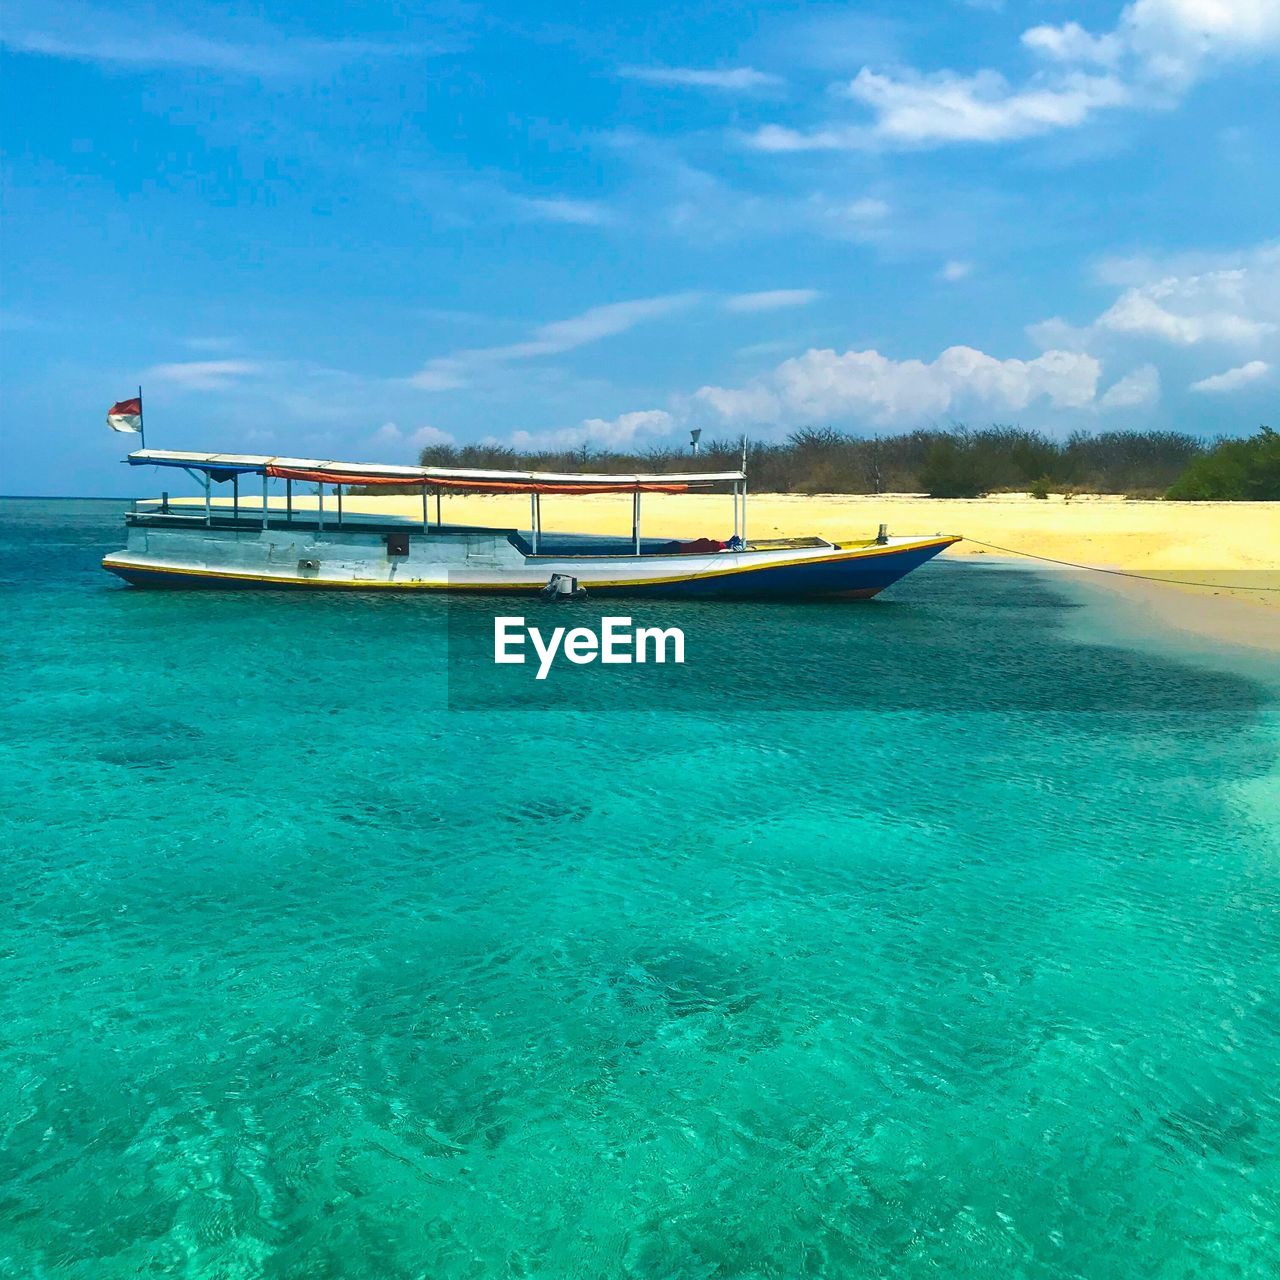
point(492, 562)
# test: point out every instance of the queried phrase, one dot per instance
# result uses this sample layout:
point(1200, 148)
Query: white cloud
point(917, 110)
point(1166, 43)
point(447, 373)
point(579, 213)
point(1072, 43)
point(158, 49)
point(955, 270)
point(1056, 333)
point(1230, 301)
point(776, 137)
point(1139, 389)
point(864, 219)
point(398, 443)
point(1138, 312)
point(1233, 379)
point(458, 369)
point(202, 375)
point(424, 436)
point(757, 402)
point(1189, 310)
point(824, 386)
point(706, 208)
point(83, 33)
point(594, 324)
point(914, 110)
point(622, 432)
point(771, 299)
point(1157, 50)
point(1174, 40)
point(867, 209)
point(732, 79)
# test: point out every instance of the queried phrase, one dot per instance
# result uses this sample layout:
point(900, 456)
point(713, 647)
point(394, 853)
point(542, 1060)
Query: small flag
point(126, 415)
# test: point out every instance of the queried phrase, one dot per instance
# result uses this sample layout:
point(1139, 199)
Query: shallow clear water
point(915, 938)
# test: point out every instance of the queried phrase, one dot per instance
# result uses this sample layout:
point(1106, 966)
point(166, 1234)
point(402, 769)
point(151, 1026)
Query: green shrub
point(1233, 471)
point(1127, 461)
point(953, 470)
point(955, 463)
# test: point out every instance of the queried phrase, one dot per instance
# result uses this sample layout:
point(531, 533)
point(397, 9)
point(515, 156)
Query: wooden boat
point(259, 544)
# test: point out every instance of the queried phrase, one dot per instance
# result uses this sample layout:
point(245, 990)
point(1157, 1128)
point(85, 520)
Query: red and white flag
point(126, 415)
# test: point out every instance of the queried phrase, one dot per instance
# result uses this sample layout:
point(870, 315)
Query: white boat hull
point(181, 551)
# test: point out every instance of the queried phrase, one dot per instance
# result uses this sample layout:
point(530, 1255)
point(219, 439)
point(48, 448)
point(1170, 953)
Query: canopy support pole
point(744, 511)
point(208, 499)
point(264, 499)
point(424, 509)
point(235, 496)
point(537, 521)
point(635, 520)
point(320, 507)
point(439, 522)
point(735, 508)
point(338, 488)
point(288, 501)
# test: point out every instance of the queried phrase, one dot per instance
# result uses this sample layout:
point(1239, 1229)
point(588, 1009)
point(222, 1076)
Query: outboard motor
point(561, 587)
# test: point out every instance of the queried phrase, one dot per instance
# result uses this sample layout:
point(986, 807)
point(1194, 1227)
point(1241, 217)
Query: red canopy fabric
point(472, 486)
point(334, 477)
point(532, 486)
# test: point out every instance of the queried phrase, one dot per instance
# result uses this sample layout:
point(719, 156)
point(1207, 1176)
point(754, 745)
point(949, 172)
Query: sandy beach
point(1168, 537)
point(1227, 546)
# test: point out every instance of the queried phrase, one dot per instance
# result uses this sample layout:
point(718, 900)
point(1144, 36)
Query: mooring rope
point(1119, 573)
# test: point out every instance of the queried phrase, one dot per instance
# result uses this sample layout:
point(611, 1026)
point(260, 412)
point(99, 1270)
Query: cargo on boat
point(256, 543)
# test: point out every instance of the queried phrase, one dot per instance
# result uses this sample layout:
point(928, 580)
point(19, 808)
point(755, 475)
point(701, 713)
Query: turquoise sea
point(931, 937)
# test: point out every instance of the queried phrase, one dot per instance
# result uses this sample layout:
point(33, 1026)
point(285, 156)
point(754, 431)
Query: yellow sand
point(1145, 536)
point(1211, 542)
point(1167, 537)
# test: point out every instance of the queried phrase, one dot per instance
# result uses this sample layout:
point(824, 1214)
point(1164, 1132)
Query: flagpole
point(142, 426)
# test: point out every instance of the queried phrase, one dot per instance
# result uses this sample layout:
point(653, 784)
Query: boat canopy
point(224, 466)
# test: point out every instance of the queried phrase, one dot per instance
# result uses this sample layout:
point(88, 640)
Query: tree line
point(955, 463)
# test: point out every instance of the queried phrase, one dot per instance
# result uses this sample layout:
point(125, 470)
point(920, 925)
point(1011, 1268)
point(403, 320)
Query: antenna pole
point(142, 426)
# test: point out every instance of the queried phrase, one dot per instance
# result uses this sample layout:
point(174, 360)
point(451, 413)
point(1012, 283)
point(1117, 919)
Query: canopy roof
point(222, 466)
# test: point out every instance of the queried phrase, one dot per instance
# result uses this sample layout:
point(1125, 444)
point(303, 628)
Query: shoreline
point(1213, 541)
point(1233, 635)
point(1241, 619)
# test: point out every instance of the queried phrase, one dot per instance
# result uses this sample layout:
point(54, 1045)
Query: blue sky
point(343, 231)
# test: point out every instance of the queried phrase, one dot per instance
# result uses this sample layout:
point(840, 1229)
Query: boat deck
point(248, 518)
